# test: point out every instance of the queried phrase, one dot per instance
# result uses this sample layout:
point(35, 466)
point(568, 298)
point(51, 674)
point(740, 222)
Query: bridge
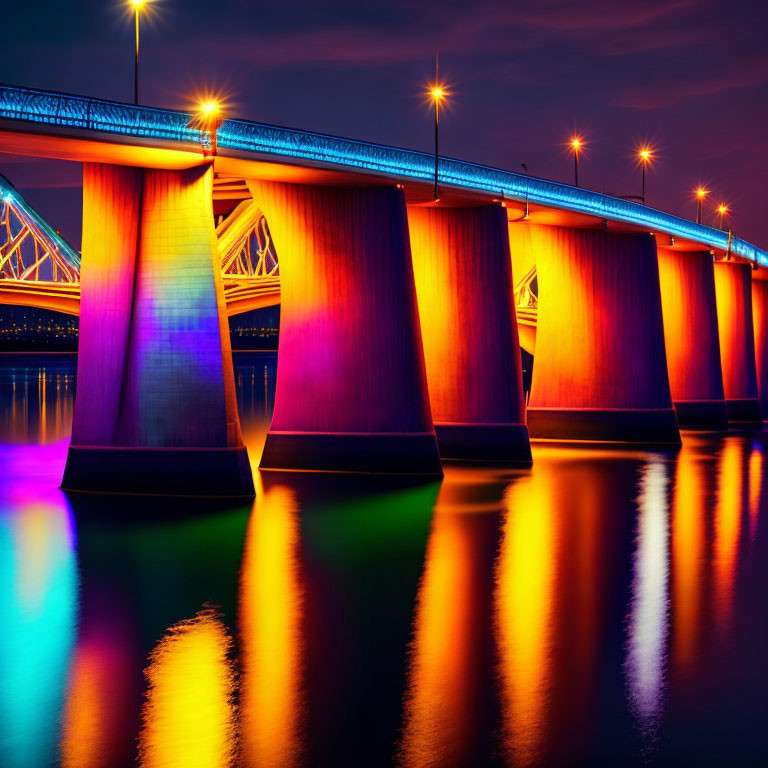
point(400, 322)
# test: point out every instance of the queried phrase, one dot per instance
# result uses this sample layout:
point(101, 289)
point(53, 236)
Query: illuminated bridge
point(400, 322)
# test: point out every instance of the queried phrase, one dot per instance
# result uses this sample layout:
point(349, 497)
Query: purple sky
point(690, 76)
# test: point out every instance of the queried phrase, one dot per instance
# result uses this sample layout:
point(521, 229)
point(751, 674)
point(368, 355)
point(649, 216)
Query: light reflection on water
point(524, 608)
point(272, 704)
point(189, 712)
point(648, 623)
point(603, 607)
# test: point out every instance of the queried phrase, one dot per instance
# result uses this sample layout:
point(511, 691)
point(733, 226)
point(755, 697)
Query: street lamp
point(576, 144)
point(137, 7)
point(207, 119)
point(722, 209)
point(437, 93)
point(645, 156)
point(701, 193)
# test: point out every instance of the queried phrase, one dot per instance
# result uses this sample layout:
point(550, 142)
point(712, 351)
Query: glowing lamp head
point(137, 4)
point(576, 144)
point(722, 209)
point(437, 93)
point(701, 193)
point(645, 154)
point(209, 108)
point(208, 114)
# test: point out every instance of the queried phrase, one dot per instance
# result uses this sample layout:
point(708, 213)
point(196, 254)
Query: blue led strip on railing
point(9, 194)
point(113, 117)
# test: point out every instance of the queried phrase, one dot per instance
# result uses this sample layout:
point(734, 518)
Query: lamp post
point(207, 119)
point(437, 93)
point(645, 155)
point(577, 145)
point(701, 193)
point(722, 210)
point(137, 6)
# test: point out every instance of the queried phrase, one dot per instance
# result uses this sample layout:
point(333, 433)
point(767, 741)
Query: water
point(603, 608)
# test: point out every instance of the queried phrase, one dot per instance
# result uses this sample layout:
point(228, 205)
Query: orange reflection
point(688, 555)
point(188, 712)
point(755, 488)
point(441, 703)
point(727, 529)
point(94, 711)
point(525, 581)
point(270, 628)
point(648, 621)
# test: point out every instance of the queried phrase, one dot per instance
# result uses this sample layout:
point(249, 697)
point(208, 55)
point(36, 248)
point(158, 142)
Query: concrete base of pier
point(496, 443)
point(705, 414)
point(744, 409)
point(370, 453)
point(159, 471)
point(614, 425)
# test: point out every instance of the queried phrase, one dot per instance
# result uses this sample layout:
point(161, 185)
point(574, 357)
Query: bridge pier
point(463, 276)
point(351, 387)
point(600, 370)
point(155, 408)
point(733, 288)
point(760, 326)
point(691, 337)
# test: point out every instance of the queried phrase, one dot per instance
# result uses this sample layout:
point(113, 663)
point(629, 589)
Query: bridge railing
point(115, 117)
point(94, 114)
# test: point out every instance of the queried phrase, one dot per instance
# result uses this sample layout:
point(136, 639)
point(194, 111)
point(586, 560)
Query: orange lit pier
point(400, 316)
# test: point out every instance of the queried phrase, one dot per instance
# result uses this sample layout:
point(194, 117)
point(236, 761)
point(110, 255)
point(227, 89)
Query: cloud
point(748, 72)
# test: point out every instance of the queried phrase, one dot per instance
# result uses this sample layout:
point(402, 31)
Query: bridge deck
point(60, 125)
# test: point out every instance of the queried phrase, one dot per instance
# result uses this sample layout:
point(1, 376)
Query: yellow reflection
point(39, 538)
point(270, 609)
point(648, 618)
point(727, 529)
point(438, 710)
point(688, 551)
point(188, 712)
point(755, 489)
point(525, 582)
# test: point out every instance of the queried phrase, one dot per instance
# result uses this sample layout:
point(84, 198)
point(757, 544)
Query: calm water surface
point(603, 608)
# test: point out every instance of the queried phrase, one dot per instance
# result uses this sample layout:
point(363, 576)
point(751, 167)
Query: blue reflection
point(38, 589)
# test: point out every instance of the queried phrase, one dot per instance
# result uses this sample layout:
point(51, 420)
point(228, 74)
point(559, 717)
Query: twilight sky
point(690, 76)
